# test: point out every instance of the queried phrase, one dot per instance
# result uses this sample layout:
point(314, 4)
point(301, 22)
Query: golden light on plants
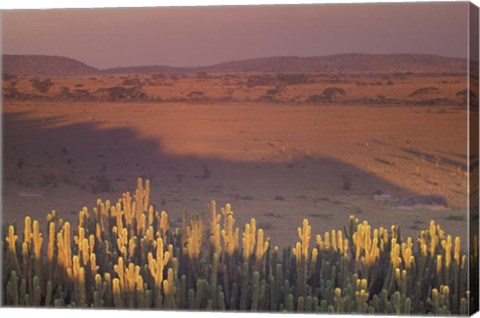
point(128, 255)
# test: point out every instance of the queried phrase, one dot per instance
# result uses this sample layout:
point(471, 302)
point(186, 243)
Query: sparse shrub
point(48, 180)
point(119, 93)
point(8, 76)
point(158, 76)
point(42, 86)
point(274, 91)
point(80, 94)
point(265, 225)
point(101, 183)
point(205, 174)
point(197, 96)
point(20, 163)
point(455, 217)
point(330, 93)
point(230, 92)
point(147, 82)
point(132, 81)
point(384, 161)
point(346, 183)
point(261, 80)
point(64, 91)
point(424, 90)
point(11, 90)
point(194, 94)
point(202, 75)
point(316, 99)
point(294, 79)
point(273, 215)
point(464, 94)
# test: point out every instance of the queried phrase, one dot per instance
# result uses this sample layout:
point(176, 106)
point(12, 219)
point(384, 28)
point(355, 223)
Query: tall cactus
point(127, 255)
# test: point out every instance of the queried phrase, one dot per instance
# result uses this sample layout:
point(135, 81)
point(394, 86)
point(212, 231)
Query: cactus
point(289, 303)
point(12, 290)
point(37, 292)
point(229, 233)
point(301, 252)
point(118, 299)
point(11, 239)
point(126, 254)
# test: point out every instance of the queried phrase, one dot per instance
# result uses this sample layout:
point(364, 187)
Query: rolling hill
point(44, 65)
point(348, 63)
point(38, 65)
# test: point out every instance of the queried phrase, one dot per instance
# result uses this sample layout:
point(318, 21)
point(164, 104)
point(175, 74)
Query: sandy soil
point(278, 163)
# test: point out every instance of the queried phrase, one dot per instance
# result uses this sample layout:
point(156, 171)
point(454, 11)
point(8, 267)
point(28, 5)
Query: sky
point(197, 36)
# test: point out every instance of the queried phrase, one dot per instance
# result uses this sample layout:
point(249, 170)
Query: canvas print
point(314, 158)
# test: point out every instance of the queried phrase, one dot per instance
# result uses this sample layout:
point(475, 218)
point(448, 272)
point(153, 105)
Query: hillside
point(348, 63)
point(38, 65)
point(153, 69)
point(333, 64)
point(43, 65)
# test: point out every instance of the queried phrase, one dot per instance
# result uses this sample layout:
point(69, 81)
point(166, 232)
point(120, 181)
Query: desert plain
point(278, 148)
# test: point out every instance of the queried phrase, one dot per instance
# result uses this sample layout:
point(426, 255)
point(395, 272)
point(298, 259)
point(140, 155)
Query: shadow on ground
point(48, 165)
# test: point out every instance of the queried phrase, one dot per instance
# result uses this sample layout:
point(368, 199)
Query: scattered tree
point(330, 93)
point(42, 86)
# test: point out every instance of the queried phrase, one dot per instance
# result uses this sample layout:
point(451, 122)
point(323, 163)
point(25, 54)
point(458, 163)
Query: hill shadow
point(50, 165)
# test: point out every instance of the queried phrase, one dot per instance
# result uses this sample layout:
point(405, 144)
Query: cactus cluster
point(128, 255)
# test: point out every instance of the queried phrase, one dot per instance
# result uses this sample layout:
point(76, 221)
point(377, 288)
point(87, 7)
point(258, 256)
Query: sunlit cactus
point(127, 255)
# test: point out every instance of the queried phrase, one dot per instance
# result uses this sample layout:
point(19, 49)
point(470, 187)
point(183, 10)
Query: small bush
point(274, 91)
point(132, 81)
point(467, 93)
point(64, 91)
point(316, 99)
point(158, 76)
point(202, 75)
point(119, 93)
point(294, 79)
point(101, 183)
point(197, 96)
point(346, 183)
point(424, 90)
point(42, 86)
point(455, 217)
point(330, 93)
point(7, 76)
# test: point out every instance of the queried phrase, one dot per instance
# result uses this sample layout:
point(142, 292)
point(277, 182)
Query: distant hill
point(153, 69)
point(44, 65)
point(348, 63)
point(334, 64)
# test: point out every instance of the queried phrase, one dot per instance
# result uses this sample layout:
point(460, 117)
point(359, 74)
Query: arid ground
point(271, 150)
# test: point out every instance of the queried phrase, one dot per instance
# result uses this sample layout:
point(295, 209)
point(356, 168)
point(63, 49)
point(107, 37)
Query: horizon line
point(231, 61)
